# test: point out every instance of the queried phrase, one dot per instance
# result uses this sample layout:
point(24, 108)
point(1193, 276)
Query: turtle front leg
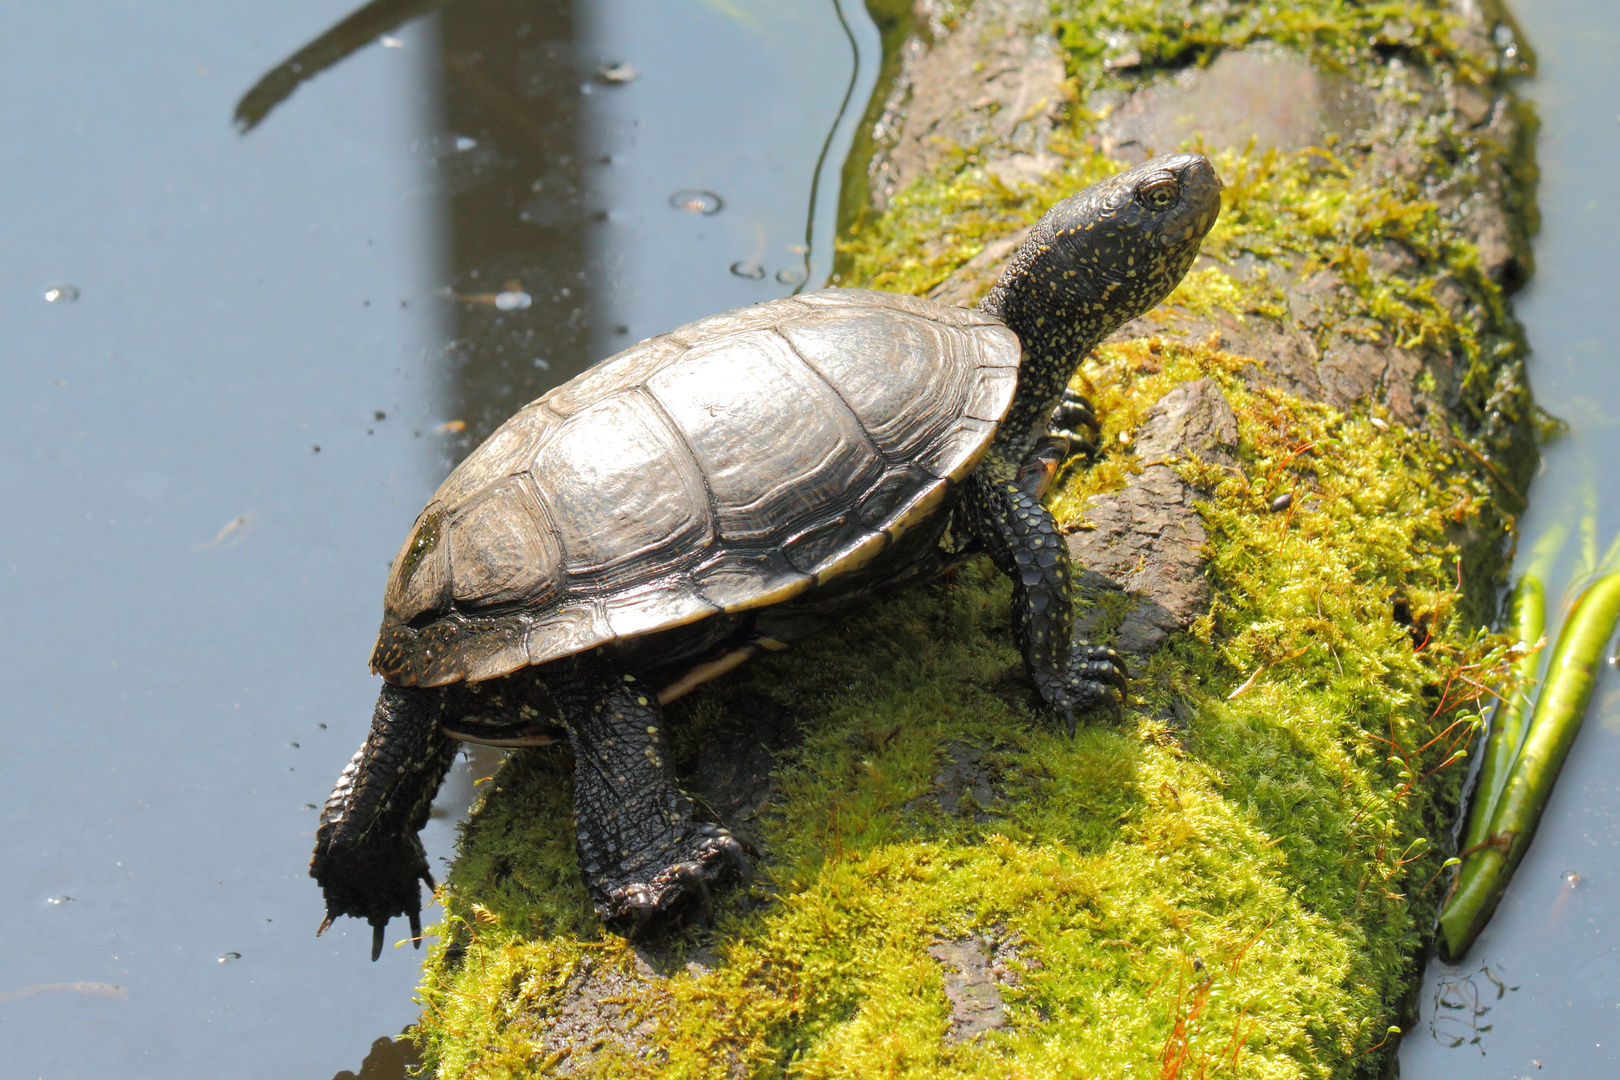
point(1072, 417)
point(640, 851)
point(368, 857)
point(1007, 517)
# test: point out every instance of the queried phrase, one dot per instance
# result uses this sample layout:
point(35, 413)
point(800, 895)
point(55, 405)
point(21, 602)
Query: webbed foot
point(707, 856)
point(368, 859)
point(1096, 675)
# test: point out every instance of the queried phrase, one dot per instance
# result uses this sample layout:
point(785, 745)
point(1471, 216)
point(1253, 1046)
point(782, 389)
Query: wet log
point(1309, 458)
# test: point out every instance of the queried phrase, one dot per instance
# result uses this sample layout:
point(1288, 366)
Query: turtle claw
point(377, 938)
point(1035, 475)
point(326, 924)
point(712, 854)
point(1094, 674)
point(1073, 412)
point(690, 876)
point(736, 854)
point(1104, 665)
point(416, 929)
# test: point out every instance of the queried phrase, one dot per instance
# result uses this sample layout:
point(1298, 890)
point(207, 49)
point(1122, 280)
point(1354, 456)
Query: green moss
point(1238, 876)
point(1335, 33)
point(1274, 841)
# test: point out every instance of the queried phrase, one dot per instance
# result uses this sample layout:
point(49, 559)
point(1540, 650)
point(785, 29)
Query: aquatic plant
point(1523, 761)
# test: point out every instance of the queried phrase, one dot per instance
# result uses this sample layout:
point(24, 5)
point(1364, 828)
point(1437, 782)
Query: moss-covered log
point(1327, 432)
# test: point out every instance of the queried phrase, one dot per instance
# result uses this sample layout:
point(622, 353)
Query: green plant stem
point(1611, 558)
point(1507, 725)
point(1571, 677)
point(1528, 617)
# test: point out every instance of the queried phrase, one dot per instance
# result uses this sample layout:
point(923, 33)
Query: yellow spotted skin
point(914, 402)
point(1092, 263)
point(1095, 261)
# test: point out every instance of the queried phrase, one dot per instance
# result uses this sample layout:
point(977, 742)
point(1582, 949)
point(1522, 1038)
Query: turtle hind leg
point(368, 858)
point(642, 855)
point(1023, 540)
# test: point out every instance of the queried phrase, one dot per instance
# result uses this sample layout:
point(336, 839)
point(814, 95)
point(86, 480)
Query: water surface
point(235, 368)
point(1540, 993)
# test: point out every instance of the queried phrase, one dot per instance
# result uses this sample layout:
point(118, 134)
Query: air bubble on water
point(694, 201)
point(465, 143)
point(61, 294)
point(790, 276)
point(618, 74)
point(228, 957)
point(543, 365)
point(750, 270)
point(57, 901)
point(1570, 877)
point(512, 301)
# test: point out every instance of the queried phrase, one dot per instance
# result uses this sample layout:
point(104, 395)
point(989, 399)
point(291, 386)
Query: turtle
point(729, 487)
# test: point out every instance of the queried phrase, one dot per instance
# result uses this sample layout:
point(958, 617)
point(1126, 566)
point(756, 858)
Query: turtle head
point(1109, 253)
point(1139, 230)
point(1098, 259)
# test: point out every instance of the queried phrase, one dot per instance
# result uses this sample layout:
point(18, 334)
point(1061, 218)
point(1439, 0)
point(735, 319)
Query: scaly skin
point(640, 851)
point(368, 857)
point(1093, 262)
point(1025, 544)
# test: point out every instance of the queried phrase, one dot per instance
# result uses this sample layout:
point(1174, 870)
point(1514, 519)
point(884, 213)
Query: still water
point(236, 365)
point(1539, 995)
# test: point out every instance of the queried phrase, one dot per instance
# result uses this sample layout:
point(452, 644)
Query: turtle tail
point(368, 858)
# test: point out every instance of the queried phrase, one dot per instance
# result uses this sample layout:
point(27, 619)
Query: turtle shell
point(736, 462)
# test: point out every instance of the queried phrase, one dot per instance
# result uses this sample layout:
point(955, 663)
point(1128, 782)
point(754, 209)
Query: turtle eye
point(1160, 194)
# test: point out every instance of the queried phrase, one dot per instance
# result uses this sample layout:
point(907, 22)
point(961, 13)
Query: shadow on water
point(543, 284)
point(519, 205)
point(352, 34)
point(509, 157)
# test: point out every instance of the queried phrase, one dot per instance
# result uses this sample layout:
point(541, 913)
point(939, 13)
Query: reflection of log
point(348, 36)
point(1243, 875)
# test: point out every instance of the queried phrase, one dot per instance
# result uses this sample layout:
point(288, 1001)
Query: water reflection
point(535, 116)
point(284, 339)
point(360, 29)
point(388, 1059)
point(519, 206)
point(1540, 993)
